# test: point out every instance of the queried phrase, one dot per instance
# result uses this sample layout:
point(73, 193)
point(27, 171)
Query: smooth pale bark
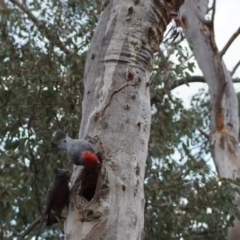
point(224, 125)
point(116, 118)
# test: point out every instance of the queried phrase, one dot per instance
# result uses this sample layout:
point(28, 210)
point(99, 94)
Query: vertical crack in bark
point(110, 98)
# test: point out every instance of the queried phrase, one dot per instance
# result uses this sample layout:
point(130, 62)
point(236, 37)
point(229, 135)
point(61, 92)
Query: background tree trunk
point(116, 118)
point(224, 125)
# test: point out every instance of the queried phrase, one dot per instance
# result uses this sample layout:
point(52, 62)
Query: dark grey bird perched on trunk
point(57, 195)
point(79, 151)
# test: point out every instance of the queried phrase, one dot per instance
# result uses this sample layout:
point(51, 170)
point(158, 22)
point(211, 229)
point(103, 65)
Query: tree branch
point(52, 38)
point(214, 11)
point(203, 133)
point(193, 79)
point(29, 229)
point(235, 68)
point(184, 81)
point(174, 84)
point(161, 205)
point(230, 41)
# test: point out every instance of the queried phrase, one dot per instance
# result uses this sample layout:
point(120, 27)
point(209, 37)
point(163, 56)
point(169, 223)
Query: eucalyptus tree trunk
point(224, 125)
point(109, 203)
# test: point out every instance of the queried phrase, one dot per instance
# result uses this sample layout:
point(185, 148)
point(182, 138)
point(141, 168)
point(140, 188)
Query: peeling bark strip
point(116, 119)
point(224, 113)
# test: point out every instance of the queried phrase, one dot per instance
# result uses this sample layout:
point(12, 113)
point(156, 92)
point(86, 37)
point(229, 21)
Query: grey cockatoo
point(79, 151)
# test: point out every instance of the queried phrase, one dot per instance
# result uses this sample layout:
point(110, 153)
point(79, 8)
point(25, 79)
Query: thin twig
point(162, 205)
point(59, 224)
point(42, 27)
point(235, 68)
point(171, 186)
point(203, 133)
point(213, 11)
point(30, 228)
point(39, 230)
point(230, 41)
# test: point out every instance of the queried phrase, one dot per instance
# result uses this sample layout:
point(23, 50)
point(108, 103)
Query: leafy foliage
point(42, 58)
point(184, 197)
point(40, 94)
